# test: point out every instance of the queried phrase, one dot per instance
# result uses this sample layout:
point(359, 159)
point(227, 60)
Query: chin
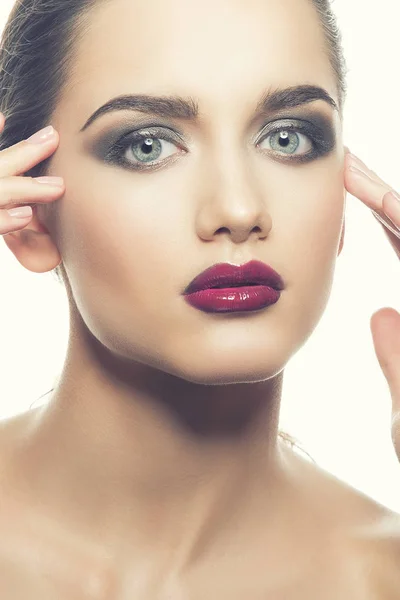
point(225, 371)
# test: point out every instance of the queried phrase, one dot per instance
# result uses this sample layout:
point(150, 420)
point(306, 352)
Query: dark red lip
point(225, 275)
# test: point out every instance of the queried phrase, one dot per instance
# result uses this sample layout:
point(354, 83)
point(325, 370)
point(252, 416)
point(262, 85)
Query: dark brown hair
point(37, 52)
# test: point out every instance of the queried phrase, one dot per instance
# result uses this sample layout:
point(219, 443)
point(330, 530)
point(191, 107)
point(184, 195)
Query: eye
point(144, 149)
point(297, 140)
point(155, 146)
point(148, 149)
point(289, 142)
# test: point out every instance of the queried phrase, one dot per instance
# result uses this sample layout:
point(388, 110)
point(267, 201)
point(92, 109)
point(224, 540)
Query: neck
point(122, 448)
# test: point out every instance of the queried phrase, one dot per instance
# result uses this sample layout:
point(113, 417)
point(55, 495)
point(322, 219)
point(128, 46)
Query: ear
point(33, 246)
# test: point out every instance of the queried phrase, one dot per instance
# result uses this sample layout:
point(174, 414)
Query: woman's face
point(219, 188)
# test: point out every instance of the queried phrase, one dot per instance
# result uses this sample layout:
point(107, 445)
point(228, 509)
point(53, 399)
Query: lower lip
point(237, 299)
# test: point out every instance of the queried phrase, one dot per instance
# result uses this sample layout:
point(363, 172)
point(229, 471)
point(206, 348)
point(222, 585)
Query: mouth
point(232, 285)
point(225, 275)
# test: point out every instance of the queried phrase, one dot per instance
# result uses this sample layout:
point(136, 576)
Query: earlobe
point(33, 247)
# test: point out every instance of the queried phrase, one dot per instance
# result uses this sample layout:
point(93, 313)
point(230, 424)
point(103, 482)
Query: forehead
point(209, 49)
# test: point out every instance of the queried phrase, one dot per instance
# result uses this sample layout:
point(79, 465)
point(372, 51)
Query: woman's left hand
point(364, 184)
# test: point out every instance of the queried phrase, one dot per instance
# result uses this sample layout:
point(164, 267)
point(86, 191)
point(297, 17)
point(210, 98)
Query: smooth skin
point(156, 471)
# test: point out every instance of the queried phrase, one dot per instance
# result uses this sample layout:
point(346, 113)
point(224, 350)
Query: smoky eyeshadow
point(321, 128)
point(104, 141)
point(313, 123)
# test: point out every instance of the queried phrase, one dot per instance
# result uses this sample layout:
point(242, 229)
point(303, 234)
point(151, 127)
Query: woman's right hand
point(18, 192)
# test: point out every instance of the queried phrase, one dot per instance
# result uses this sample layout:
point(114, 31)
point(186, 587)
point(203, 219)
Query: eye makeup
point(141, 138)
point(318, 131)
point(112, 147)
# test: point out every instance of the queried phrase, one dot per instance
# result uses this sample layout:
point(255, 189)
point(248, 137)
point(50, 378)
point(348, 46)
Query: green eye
point(289, 142)
point(285, 141)
point(143, 149)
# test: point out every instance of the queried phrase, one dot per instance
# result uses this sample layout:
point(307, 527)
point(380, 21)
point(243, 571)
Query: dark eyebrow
point(176, 107)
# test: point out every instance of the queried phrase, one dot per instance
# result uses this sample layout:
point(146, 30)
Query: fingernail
point(58, 181)
point(358, 171)
point(395, 195)
point(22, 212)
point(387, 222)
point(42, 136)
point(359, 163)
point(392, 208)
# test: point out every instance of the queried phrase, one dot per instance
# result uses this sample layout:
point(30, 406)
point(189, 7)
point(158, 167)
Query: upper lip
point(227, 275)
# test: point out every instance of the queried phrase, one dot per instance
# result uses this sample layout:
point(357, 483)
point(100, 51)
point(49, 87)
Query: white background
point(336, 400)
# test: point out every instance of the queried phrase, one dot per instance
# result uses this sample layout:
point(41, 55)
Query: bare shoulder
point(378, 548)
point(367, 533)
point(39, 558)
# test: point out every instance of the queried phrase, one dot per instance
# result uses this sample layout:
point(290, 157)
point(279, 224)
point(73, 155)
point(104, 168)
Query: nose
point(235, 206)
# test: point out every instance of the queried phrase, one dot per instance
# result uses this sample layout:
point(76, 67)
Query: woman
point(189, 135)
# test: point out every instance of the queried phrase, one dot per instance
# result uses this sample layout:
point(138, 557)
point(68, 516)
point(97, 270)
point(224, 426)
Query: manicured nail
point(392, 208)
point(388, 223)
point(358, 163)
point(358, 171)
point(42, 136)
point(22, 212)
point(58, 181)
point(353, 156)
point(395, 195)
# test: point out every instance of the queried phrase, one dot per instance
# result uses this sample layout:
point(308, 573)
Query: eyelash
point(115, 154)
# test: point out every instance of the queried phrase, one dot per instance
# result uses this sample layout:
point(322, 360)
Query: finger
point(366, 185)
point(28, 190)
point(24, 155)
point(16, 193)
point(391, 207)
point(354, 161)
point(369, 188)
point(385, 329)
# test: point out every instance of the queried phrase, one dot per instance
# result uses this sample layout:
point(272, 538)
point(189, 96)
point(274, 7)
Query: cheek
point(310, 213)
point(123, 239)
point(122, 254)
point(309, 241)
